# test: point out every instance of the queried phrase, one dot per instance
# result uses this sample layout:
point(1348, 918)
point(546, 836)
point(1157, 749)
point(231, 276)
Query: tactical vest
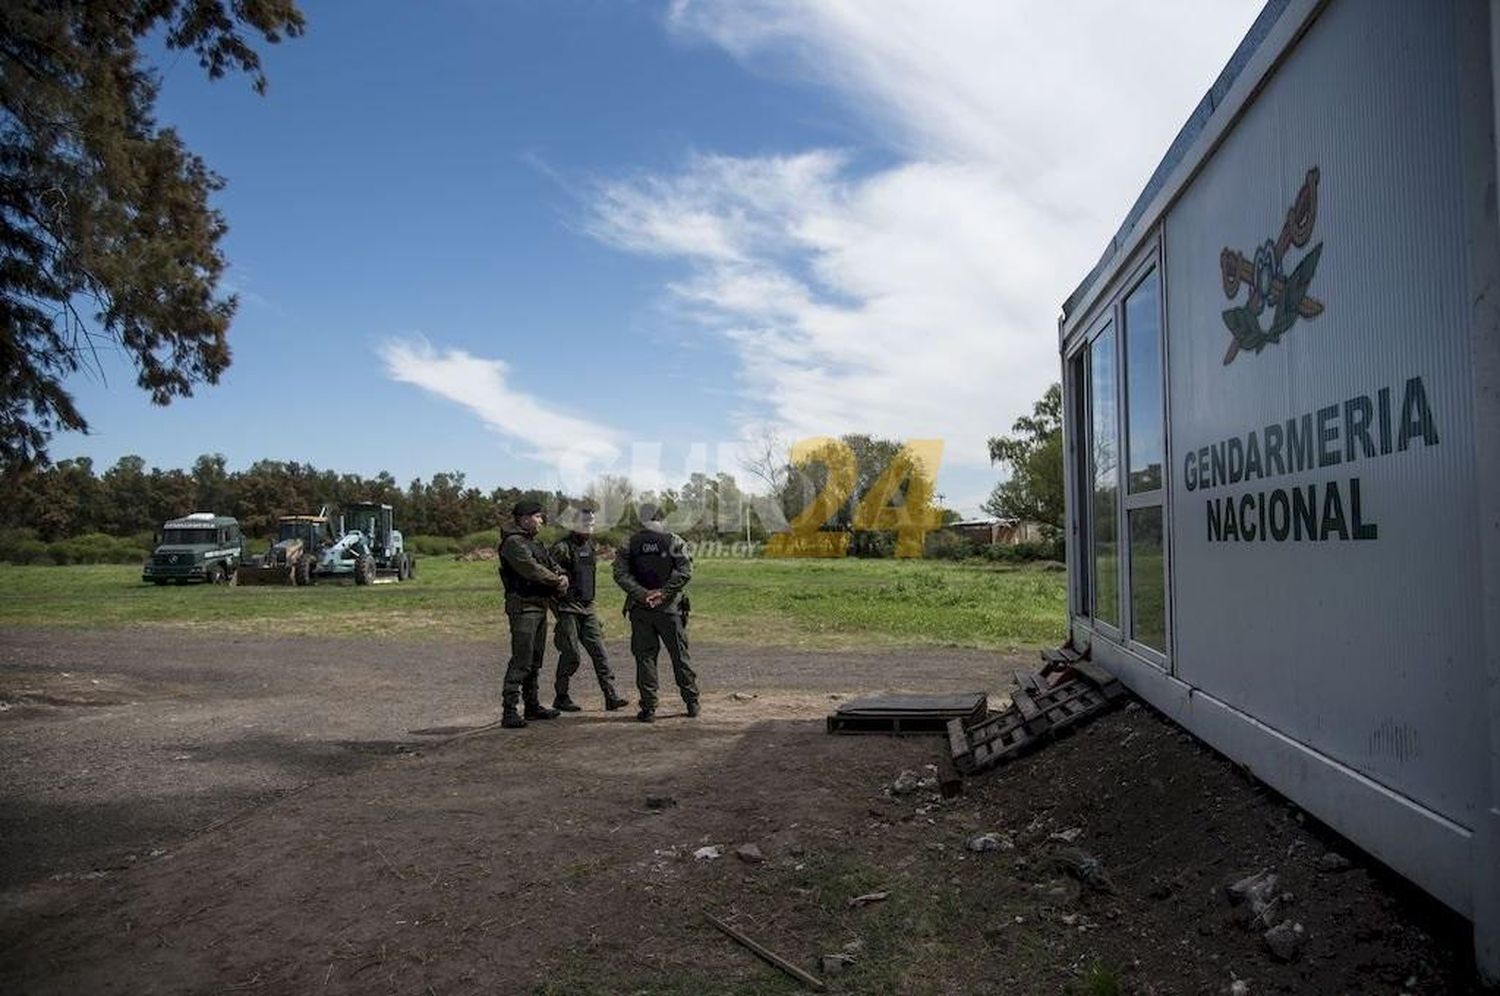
point(649, 557)
point(514, 583)
point(581, 572)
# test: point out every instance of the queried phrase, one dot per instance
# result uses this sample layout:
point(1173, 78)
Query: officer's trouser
point(575, 633)
point(649, 630)
point(528, 644)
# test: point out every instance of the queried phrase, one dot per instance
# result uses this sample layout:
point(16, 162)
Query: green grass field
point(839, 604)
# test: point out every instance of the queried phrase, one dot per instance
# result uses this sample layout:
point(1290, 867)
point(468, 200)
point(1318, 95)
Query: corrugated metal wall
point(1367, 651)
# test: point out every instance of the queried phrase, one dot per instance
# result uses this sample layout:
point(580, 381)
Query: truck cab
point(201, 547)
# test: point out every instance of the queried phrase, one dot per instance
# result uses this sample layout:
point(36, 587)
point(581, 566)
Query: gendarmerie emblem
point(1269, 284)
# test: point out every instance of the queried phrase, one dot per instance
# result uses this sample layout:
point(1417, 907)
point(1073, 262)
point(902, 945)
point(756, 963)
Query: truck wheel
point(215, 574)
point(364, 571)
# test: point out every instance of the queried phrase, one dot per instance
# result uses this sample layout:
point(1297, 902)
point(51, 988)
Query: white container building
point(1282, 416)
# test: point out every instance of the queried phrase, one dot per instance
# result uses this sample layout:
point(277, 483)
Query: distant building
point(1007, 531)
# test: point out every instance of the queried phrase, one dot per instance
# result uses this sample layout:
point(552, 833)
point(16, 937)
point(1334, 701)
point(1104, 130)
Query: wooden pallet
point(1066, 691)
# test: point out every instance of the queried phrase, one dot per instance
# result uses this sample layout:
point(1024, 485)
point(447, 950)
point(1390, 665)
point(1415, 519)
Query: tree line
point(70, 498)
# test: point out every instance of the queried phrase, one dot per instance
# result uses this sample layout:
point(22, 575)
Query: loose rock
point(749, 853)
point(868, 898)
point(906, 783)
point(1285, 940)
point(834, 964)
point(1258, 893)
point(1334, 862)
point(991, 841)
point(710, 853)
point(1085, 867)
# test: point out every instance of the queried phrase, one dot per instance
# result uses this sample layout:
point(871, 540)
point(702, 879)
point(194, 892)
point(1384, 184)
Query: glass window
point(1104, 445)
point(1148, 594)
point(1143, 380)
point(188, 537)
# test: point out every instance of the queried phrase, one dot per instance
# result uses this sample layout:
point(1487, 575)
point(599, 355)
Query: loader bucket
point(273, 574)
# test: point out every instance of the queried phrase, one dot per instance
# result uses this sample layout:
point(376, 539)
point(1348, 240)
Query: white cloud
point(575, 445)
point(921, 299)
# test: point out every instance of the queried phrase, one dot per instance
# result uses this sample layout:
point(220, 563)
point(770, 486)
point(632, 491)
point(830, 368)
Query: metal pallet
point(908, 714)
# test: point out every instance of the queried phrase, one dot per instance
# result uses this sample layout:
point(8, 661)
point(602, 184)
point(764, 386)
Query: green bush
point(872, 544)
point(96, 548)
point(1005, 553)
point(485, 539)
point(27, 551)
point(431, 546)
point(615, 538)
point(19, 546)
point(948, 545)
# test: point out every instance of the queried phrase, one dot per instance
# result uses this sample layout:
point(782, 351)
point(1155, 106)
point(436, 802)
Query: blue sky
point(538, 241)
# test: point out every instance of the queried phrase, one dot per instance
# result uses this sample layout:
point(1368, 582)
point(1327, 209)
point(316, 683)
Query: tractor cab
point(373, 521)
point(312, 530)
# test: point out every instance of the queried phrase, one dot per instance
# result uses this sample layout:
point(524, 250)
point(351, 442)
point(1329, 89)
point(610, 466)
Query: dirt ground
point(184, 814)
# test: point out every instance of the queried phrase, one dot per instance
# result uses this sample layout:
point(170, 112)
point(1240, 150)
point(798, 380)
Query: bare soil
point(187, 815)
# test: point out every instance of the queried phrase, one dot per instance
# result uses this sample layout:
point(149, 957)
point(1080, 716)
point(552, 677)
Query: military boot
point(692, 709)
point(613, 701)
point(563, 703)
point(646, 715)
point(510, 719)
point(535, 710)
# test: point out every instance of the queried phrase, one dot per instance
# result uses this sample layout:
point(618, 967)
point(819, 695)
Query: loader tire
point(364, 571)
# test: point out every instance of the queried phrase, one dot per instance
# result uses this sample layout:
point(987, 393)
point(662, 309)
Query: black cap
point(526, 507)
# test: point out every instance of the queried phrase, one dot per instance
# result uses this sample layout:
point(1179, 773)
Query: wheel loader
point(294, 554)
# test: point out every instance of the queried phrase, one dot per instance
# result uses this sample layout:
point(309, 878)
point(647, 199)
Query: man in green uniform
point(654, 568)
point(531, 580)
point(577, 626)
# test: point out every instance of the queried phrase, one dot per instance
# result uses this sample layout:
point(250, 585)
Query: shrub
point(948, 545)
point(432, 546)
point(28, 551)
point(1022, 552)
point(485, 539)
point(613, 538)
point(872, 544)
point(19, 546)
point(96, 548)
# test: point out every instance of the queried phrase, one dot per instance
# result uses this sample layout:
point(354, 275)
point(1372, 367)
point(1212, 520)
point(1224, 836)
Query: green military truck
point(198, 547)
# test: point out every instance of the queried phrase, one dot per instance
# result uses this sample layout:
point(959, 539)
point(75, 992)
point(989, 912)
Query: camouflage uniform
point(657, 560)
point(531, 581)
point(578, 628)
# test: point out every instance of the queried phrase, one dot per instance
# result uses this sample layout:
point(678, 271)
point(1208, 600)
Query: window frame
point(1109, 311)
